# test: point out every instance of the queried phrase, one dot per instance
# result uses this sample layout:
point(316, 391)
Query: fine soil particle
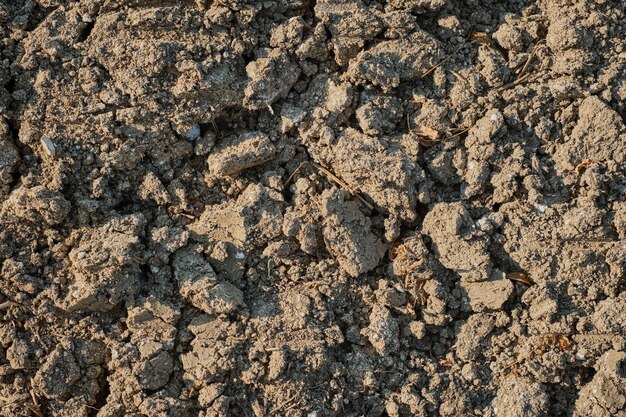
point(380, 208)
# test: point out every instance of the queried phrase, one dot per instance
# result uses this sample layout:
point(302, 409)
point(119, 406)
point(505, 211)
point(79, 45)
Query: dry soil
point(312, 208)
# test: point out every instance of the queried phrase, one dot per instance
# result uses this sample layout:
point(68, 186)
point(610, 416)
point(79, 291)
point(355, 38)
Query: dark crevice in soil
point(86, 31)
point(103, 394)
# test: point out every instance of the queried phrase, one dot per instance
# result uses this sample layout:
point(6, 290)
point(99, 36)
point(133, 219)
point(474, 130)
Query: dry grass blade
point(7, 304)
point(284, 403)
point(427, 132)
point(458, 132)
point(532, 55)
point(513, 83)
point(462, 78)
point(480, 37)
point(523, 75)
point(215, 129)
point(34, 409)
point(520, 277)
point(341, 183)
point(295, 172)
point(443, 61)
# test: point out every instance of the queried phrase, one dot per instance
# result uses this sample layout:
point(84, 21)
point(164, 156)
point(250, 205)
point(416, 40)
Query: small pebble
point(48, 146)
point(541, 208)
point(191, 132)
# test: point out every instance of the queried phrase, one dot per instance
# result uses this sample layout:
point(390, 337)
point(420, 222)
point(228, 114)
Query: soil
point(312, 208)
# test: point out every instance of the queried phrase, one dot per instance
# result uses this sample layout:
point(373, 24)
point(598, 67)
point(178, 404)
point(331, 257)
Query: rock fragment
point(605, 395)
point(350, 23)
point(235, 154)
point(240, 222)
point(388, 63)
point(599, 135)
point(520, 397)
point(37, 204)
point(459, 246)
point(472, 337)
point(152, 189)
point(270, 78)
point(383, 331)
point(104, 266)
point(385, 174)
point(488, 295)
point(48, 146)
point(348, 235)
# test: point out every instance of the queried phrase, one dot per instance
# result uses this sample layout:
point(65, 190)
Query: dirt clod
point(312, 208)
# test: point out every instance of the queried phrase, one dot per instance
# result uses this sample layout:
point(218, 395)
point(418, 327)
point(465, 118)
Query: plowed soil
point(301, 208)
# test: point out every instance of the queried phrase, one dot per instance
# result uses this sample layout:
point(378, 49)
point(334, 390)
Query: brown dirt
point(312, 208)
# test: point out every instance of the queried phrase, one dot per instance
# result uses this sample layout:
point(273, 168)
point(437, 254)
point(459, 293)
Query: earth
point(311, 208)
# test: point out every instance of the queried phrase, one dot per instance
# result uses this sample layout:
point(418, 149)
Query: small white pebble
point(240, 255)
point(81, 255)
point(484, 224)
point(48, 146)
point(541, 208)
point(193, 132)
point(154, 269)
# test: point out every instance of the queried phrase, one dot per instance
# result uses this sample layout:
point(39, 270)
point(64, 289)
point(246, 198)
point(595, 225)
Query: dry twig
point(532, 55)
point(333, 178)
point(7, 304)
point(284, 403)
point(443, 61)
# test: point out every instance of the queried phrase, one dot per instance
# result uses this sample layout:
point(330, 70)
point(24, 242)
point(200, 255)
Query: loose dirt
point(376, 208)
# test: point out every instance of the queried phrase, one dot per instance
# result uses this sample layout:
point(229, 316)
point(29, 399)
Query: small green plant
point(269, 268)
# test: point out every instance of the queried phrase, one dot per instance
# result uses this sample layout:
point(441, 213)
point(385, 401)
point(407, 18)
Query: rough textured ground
point(453, 245)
